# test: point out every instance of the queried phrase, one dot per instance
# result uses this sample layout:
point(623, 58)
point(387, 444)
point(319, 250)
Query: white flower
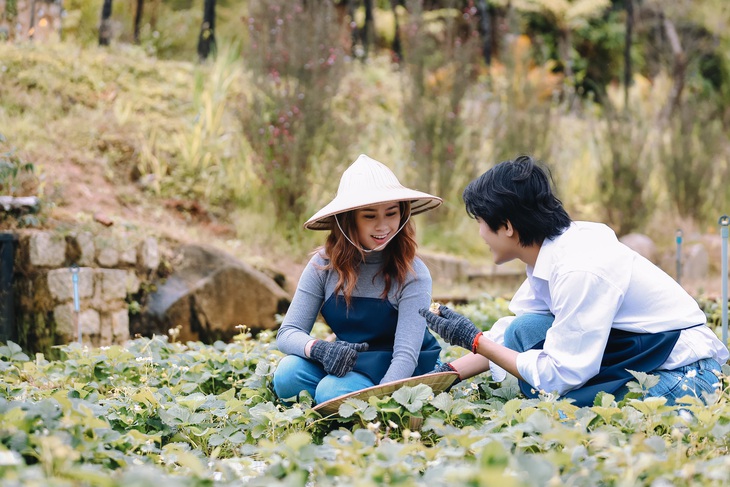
point(692, 373)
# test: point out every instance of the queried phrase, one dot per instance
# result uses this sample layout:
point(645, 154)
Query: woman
point(368, 284)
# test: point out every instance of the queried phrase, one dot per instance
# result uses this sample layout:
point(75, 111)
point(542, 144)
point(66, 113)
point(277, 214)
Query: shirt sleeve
point(294, 333)
point(496, 334)
point(415, 294)
point(585, 306)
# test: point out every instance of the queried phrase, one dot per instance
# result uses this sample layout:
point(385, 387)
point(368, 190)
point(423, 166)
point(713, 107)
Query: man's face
point(503, 243)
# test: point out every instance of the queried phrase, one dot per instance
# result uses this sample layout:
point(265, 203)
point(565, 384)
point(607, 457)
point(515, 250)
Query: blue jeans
point(296, 374)
point(528, 330)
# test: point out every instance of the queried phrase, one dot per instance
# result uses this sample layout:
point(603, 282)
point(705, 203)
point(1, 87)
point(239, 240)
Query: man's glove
point(337, 357)
point(452, 327)
point(446, 367)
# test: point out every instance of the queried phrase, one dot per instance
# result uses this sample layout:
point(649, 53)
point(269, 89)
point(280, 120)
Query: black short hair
point(520, 192)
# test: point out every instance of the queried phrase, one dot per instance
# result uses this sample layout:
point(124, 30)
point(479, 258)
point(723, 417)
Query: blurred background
point(232, 120)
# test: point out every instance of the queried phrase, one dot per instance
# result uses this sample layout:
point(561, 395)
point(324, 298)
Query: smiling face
point(503, 243)
point(377, 224)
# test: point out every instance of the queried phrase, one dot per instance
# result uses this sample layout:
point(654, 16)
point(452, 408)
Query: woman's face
point(377, 224)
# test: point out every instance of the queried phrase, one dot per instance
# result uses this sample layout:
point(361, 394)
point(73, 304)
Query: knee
point(329, 388)
point(287, 376)
point(527, 331)
point(513, 336)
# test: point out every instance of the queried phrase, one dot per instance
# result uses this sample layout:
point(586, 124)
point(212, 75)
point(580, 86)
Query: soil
point(84, 193)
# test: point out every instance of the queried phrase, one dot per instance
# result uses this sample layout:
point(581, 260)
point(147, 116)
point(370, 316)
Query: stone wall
point(111, 269)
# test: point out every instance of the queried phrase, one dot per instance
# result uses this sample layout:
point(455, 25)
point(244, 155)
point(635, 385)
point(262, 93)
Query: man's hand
point(338, 358)
point(452, 327)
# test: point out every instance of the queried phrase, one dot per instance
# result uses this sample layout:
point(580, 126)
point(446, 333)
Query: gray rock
point(696, 263)
point(60, 283)
point(47, 249)
point(148, 254)
point(65, 318)
point(113, 284)
point(209, 294)
point(87, 249)
point(108, 257)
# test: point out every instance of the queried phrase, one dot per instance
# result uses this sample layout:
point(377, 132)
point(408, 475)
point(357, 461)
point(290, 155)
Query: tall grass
point(440, 50)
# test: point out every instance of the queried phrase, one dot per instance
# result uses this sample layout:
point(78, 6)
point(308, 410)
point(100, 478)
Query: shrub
point(295, 61)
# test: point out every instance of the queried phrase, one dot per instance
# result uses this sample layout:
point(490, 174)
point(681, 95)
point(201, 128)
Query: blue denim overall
point(374, 321)
point(640, 352)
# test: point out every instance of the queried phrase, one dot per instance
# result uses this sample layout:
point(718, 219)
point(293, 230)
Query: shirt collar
point(545, 258)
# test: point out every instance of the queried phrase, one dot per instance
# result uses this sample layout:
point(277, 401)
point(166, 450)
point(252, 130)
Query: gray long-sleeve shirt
point(316, 285)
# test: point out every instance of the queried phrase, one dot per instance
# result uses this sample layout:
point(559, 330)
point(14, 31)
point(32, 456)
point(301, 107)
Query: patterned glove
point(452, 327)
point(446, 367)
point(337, 357)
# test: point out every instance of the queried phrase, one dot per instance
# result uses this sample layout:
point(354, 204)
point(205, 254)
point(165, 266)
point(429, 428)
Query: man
point(590, 308)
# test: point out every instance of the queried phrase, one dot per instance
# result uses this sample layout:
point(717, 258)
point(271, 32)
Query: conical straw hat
point(368, 182)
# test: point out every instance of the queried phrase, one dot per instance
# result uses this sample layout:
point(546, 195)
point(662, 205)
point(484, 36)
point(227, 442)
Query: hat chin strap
point(379, 247)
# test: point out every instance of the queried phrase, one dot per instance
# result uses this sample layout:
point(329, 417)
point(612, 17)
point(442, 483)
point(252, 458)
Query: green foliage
point(440, 60)
point(693, 164)
point(17, 176)
point(296, 65)
point(159, 412)
point(623, 175)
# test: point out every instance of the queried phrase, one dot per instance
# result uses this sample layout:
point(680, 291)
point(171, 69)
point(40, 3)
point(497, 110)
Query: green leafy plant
point(17, 176)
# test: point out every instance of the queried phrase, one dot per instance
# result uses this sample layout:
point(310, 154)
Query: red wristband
point(475, 343)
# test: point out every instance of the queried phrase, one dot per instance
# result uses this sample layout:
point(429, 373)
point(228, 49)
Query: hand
point(452, 327)
point(337, 357)
point(447, 367)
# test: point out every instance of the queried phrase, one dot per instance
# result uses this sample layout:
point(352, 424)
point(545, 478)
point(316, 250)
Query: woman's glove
point(338, 358)
point(452, 327)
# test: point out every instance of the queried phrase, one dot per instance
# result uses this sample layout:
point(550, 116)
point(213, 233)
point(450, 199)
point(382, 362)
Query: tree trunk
point(485, 30)
point(354, 35)
point(397, 47)
point(138, 20)
point(206, 41)
point(368, 30)
point(628, 75)
point(679, 70)
point(105, 30)
point(31, 27)
point(564, 47)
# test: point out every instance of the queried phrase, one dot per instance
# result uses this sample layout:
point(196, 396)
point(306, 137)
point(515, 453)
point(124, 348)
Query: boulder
point(209, 294)
point(697, 262)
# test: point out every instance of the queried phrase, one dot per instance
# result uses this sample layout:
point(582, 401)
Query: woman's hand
point(338, 358)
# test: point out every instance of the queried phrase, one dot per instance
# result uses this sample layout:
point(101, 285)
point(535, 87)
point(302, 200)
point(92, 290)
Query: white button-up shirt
point(591, 283)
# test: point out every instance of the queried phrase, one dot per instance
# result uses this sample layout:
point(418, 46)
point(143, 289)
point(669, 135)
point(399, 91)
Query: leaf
point(357, 406)
point(14, 352)
point(509, 389)
point(646, 381)
point(351, 406)
point(298, 440)
point(412, 398)
point(443, 402)
point(193, 401)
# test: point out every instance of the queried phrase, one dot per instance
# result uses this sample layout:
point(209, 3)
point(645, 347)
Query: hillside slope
point(91, 121)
